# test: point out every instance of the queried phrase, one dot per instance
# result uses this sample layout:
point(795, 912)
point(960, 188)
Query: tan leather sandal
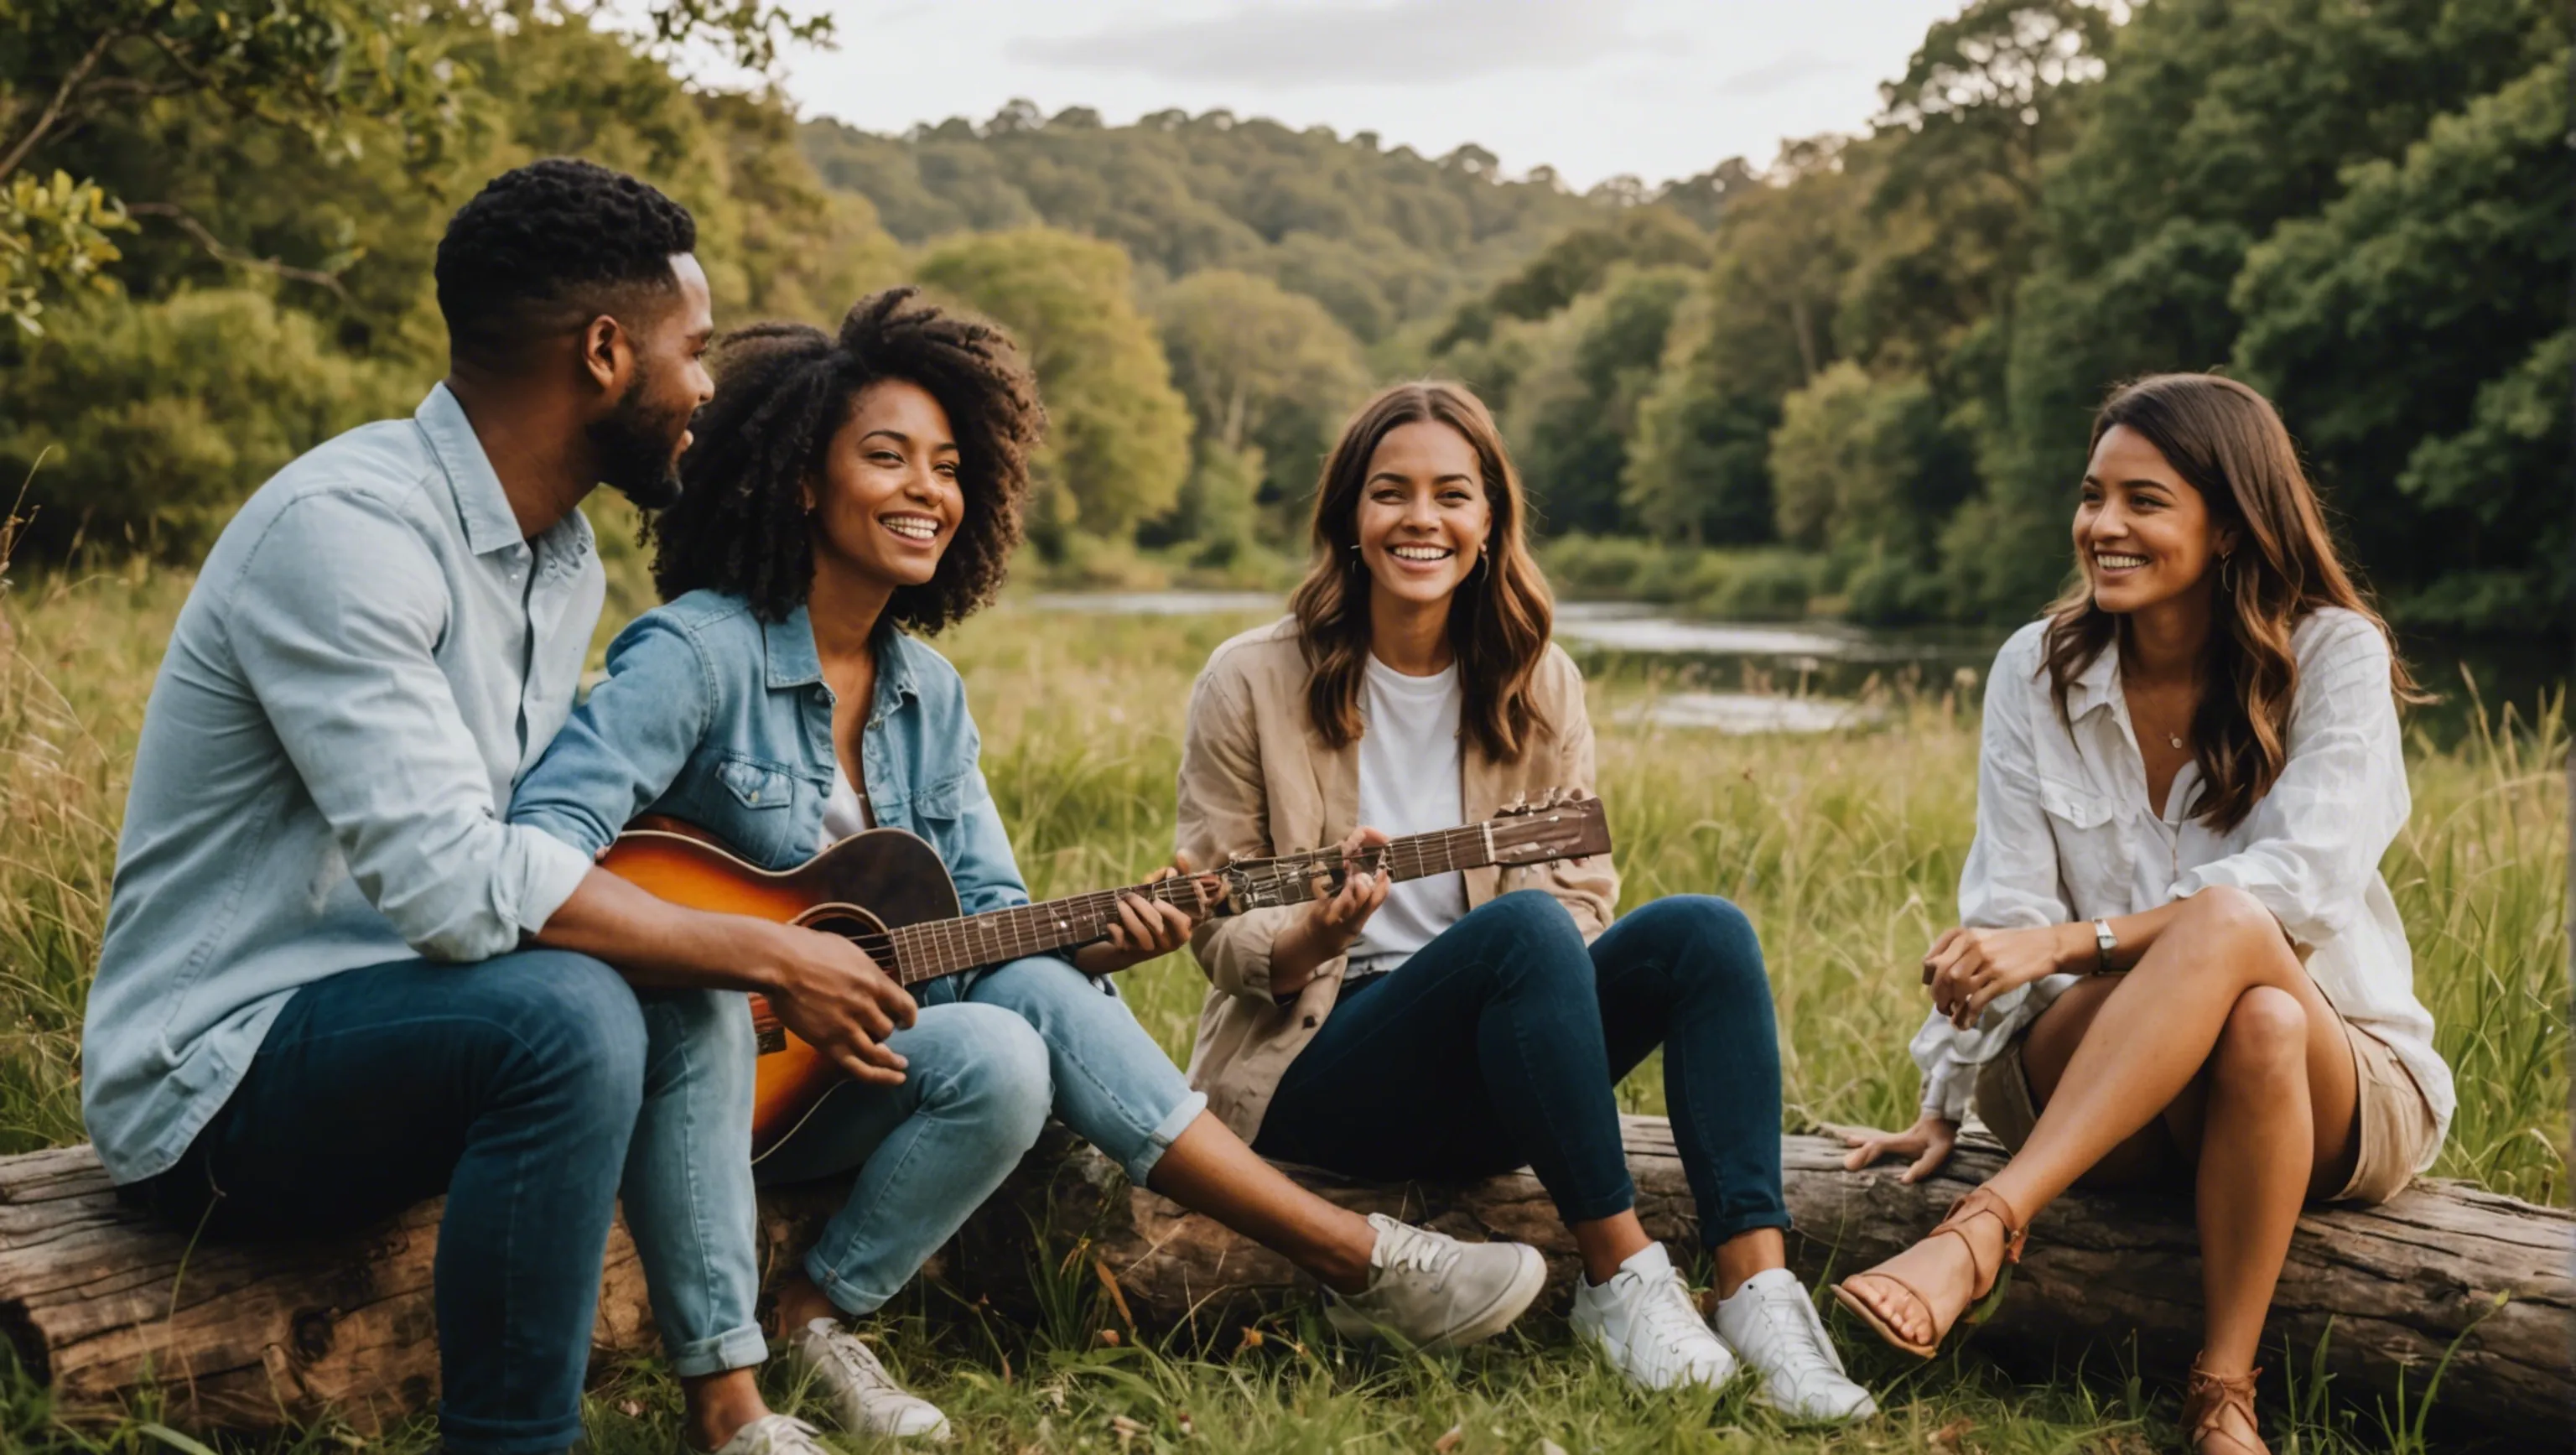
point(1980, 1202)
point(2210, 1398)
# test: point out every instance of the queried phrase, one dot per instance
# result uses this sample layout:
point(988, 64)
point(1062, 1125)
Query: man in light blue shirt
point(334, 980)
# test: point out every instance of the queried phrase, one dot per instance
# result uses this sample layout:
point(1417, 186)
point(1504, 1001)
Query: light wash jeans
point(993, 1052)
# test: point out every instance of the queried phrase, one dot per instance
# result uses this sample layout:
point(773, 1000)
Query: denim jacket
point(710, 715)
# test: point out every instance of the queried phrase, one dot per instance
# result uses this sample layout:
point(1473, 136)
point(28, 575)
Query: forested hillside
point(1851, 380)
point(1859, 376)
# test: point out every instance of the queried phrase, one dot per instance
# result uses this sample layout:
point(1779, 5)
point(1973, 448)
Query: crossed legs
point(2227, 1062)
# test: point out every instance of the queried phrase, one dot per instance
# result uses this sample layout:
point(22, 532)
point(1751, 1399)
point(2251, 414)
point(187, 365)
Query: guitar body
point(888, 891)
point(866, 884)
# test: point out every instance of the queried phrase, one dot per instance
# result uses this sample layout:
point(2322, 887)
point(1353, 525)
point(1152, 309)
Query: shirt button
point(1310, 1023)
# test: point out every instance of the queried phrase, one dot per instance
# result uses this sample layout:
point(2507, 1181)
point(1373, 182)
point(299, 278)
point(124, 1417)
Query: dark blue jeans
point(511, 1086)
point(1498, 1044)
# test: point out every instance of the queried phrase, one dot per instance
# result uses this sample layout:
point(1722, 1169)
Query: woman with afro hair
point(844, 492)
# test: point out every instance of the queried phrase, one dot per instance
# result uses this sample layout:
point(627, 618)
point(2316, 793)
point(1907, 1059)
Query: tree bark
point(99, 1304)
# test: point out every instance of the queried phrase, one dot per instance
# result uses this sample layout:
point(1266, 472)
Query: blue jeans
point(1498, 1044)
point(994, 1051)
point(526, 1088)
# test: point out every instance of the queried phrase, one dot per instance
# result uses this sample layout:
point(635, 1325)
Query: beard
point(637, 447)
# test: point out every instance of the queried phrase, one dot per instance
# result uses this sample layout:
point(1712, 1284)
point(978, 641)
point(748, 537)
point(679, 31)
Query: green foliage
point(1576, 264)
point(1118, 433)
point(1269, 376)
point(2216, 122)
point(2397, 329)
point(1378, 237)
point(53, 235)
point(154, 421)
point(1571, 413)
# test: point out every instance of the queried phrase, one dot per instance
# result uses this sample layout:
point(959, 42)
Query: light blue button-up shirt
point(370, 658)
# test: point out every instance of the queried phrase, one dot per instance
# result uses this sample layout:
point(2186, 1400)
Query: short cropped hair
point(549, 246)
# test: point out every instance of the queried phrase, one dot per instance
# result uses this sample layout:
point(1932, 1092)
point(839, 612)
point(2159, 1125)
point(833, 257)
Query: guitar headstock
point(1560, 825)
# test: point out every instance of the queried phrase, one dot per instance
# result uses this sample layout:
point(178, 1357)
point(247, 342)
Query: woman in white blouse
point(2190, 771)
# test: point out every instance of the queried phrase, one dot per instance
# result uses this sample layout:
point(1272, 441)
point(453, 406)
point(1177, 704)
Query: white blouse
point(2065, 834)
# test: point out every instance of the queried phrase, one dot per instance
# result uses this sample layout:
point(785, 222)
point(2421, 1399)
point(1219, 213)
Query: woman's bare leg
point(1208, 1169)
point(2173, 1010)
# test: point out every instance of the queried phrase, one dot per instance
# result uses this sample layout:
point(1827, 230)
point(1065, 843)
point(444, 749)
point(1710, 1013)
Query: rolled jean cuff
point(850, 1298)
point(1601, 1205)
point(515, 1437)
point(741, 1348)
point(1712, 1234)
point(1160, 1139)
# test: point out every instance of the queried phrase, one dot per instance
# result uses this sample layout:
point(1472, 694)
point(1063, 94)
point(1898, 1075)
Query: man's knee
point(986, 1063)
point(567, 1025)
point(2265, 1038)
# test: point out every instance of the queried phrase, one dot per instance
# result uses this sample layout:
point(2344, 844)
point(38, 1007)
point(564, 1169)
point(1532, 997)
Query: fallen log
point(98, 1304)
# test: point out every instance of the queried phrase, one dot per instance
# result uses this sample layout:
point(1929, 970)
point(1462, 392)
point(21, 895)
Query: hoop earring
point(2227, 573)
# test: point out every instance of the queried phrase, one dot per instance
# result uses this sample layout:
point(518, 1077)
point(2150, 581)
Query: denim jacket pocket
point(756, 786)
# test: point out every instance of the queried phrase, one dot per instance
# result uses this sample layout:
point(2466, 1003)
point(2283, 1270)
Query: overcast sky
point(1594, 88)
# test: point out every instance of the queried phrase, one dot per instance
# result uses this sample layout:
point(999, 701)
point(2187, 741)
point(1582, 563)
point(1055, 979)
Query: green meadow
point(1844, 847)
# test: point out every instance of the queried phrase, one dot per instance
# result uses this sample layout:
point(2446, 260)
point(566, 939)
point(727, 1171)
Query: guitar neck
point(932, 948)
point(1293, 878)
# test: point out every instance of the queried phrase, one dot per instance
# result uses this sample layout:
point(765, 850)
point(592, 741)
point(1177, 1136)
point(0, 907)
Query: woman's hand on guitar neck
point(1147, 929)
point(839, 1001)
point(1333, 918)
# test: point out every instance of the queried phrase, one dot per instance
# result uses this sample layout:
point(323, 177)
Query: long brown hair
point(2228, 442)
point(1499, 619)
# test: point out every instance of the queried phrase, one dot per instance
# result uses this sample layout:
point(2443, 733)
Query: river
point(1823, 676)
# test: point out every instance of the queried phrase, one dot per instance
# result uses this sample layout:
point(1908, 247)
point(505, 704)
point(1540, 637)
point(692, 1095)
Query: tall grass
point(1845, 850)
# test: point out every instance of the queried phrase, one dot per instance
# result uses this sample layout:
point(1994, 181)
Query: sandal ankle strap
point(1985, 1202)
point(2208, 1398)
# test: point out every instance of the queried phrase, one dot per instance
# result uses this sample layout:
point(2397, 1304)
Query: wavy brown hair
point(1499, 619)
point(2229, 444)
point(783, 390)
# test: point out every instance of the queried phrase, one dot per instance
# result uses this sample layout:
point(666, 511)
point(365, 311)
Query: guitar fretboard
point(932, 948)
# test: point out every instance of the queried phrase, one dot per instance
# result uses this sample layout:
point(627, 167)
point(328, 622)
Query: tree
point(1761, 327)
point(2216, 121)
point(2398, 330)
point(1268, 375)
point(1570, 416)
point(318, 67)
point(1119, 434)
point(146, 426)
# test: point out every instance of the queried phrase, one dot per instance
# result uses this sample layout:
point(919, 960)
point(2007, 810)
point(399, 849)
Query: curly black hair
point(782, 391)
point(551, 244)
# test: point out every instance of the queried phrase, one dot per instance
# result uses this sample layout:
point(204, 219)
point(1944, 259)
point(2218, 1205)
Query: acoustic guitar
point(887, 892)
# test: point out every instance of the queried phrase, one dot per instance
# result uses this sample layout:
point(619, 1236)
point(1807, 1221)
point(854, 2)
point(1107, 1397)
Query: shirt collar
point(481, 504)
point(2098, 685)
point(792, 661)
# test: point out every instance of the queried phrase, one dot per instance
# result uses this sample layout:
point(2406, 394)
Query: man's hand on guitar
point(838, 1001)
point(1147, 929)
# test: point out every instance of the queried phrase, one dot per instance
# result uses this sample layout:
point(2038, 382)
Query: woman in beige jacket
point(1463, 1024)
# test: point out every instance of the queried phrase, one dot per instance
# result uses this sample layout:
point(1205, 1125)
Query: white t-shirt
point(1409, 767)
point(844, 813)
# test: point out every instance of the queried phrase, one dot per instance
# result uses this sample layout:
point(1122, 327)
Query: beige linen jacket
point(1256, 780)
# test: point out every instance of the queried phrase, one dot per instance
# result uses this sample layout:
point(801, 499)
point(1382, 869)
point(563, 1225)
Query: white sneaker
point(774, 1435)
point(1433, 1291)
point(1772, 1325)
point(864, 1399)
point(1644, 1321)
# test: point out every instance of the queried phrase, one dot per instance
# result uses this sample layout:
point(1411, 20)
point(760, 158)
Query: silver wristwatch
point(2104, 942)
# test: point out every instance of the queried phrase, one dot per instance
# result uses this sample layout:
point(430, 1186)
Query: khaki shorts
point(2396, 1121)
